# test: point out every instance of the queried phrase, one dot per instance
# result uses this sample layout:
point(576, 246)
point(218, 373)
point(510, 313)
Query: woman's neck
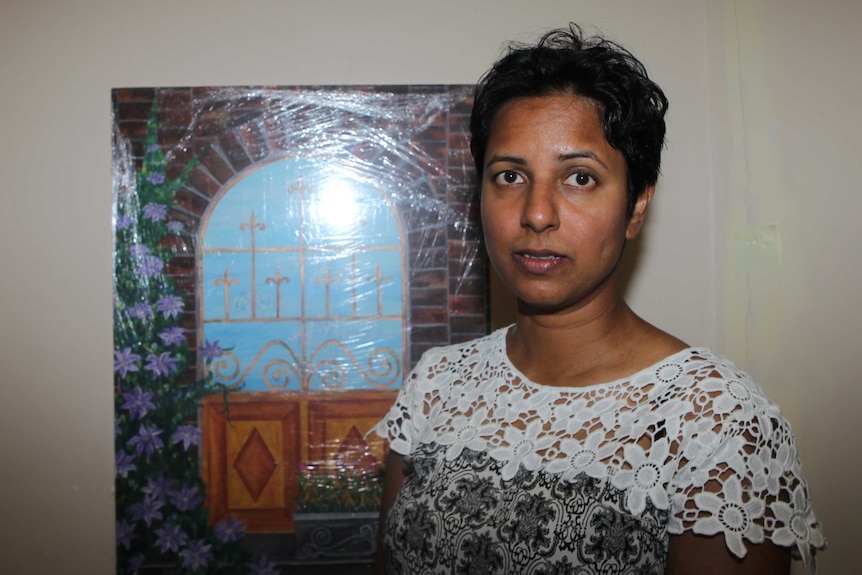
point(586, 347)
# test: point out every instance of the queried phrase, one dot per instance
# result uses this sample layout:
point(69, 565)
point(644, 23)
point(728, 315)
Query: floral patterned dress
point(506, 476)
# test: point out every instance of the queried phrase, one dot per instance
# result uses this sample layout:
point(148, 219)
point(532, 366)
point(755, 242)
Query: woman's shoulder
point(702, 370)
point(710, 393)
point(464, 355)
point(705, 377)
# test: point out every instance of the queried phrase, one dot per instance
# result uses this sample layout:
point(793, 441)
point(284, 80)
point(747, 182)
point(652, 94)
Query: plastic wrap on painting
point(282, 257)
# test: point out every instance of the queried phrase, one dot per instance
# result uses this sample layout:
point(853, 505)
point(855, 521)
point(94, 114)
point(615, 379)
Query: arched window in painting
point(302, 281)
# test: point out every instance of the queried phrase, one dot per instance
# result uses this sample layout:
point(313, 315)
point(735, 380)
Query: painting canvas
point(282, 258)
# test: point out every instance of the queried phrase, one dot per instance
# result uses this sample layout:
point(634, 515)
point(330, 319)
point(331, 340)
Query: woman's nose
point(540, 209)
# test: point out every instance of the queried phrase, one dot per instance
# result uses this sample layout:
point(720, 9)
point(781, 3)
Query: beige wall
point(762, 131)
point(785, 83)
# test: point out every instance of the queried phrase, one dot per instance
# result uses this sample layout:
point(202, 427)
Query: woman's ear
point(636, 221)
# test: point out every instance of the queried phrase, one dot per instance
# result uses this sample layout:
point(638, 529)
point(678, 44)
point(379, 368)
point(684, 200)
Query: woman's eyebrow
point(585, 154)
point(510, 159)
point(561, 158)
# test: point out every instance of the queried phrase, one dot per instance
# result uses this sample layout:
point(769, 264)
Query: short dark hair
point(632, 106)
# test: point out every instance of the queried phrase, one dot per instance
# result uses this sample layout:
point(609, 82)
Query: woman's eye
point(580, 179)
point(509, 177)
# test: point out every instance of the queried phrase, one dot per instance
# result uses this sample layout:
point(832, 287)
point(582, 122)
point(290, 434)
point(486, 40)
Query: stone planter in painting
point(335, 535)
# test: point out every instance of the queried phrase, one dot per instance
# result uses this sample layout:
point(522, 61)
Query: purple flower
point(157, 488)
point(148, 510)
point(197, 555)
point(173, 336)
point(124, 221)
point(147, 440)
point(186, 498)
point(150, 266)
point(156, 178)
point(141, 311)
point(162, 364)
point(211, 350)
point(170, 538)
point(155, 212)
point(187, 434)
point(117, 430)
point(170, 305)
point(124, 463)
point(175, 226)
point(139, 250)
point(125, 534)
point(138, 402)
point(262, 567)
point(135, 564)
point(153, 147)
point(125, 361)
point(230, 529)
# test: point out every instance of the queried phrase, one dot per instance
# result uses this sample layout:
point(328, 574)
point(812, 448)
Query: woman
point(582, 439)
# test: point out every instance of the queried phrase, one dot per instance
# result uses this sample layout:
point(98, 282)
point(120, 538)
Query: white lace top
point(692, 437)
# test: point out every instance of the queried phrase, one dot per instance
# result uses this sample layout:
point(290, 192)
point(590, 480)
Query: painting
point(282, 258)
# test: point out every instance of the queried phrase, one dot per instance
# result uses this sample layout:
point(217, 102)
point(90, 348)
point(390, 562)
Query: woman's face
point(554, 203)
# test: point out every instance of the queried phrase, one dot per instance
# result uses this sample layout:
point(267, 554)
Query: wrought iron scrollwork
point(381, 369)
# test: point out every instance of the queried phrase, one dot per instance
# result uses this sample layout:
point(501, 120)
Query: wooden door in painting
point(253, 456)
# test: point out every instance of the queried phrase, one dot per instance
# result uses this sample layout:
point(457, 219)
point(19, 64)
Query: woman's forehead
point(558, 117)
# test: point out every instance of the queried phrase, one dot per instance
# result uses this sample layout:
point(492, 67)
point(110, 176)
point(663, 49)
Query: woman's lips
point(539, 262)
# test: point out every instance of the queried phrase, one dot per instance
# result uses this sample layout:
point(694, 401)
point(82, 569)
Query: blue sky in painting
point(327, 254)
